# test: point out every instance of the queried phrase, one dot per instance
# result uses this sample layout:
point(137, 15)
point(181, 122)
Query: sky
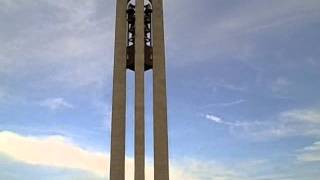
point(242, 79)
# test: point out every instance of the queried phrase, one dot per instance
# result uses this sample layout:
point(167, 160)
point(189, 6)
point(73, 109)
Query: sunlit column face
point(144, 45)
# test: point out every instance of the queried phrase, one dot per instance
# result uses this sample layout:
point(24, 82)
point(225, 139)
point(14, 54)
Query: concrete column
point(139, 173)
point(161, 161)
point(117, 162)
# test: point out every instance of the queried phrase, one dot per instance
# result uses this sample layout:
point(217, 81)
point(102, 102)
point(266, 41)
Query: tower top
point(131, 30)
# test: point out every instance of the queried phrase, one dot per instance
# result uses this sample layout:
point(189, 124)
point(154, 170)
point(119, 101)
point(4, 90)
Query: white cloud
point(57, 151)
point(280, 85)
point(304, 115)
point(51, 151)
point(296, 122)
point(213, 118)
point(224, 104)
point(233, 102)
point(64, 42)
point(196, 170)
point(56, 104)
point(310, 153)
point(229, 86)
point(303, 122)
point(231, 29)
point(232, 124)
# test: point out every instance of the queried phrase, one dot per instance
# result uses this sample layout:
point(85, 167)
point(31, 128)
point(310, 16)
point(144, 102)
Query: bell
point(148, 9)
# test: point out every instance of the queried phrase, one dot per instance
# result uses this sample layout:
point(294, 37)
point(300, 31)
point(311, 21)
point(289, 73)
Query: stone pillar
point(117, 161)
point(161, 161)
point(139, 93)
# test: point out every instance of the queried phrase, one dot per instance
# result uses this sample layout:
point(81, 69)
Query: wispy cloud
point(302, 122)
point(223, 84)
point(215, 119)
point(239, 124)
point(303, 115)
point(61, 41)
point(56, 104)
point(189, 169)
point(224, 104)
point(297, 122)
point(281, 86)
point(310, 153)
point(232, 29)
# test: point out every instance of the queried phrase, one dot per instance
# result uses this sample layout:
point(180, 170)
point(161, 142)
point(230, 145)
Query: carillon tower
point(139, 47)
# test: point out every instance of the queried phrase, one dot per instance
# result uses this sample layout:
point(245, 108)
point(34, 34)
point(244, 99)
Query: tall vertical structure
point(139, 46)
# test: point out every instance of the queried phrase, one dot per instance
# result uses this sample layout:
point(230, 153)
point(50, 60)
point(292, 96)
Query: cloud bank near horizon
point(62, 156)
point(59, 152)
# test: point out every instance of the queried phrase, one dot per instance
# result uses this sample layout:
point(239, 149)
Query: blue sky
point(243, 87)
